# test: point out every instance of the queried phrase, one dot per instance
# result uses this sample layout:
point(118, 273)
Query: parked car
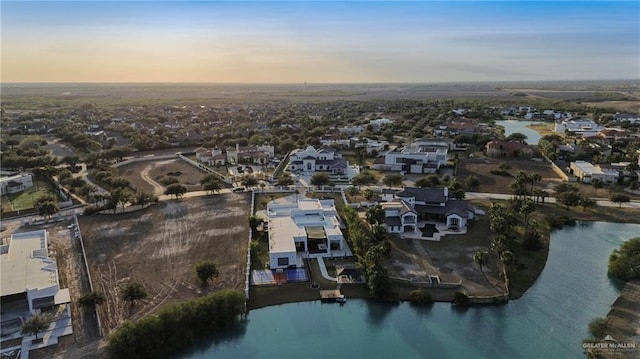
point(238, 189)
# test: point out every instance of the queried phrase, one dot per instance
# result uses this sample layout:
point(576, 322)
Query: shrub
point(624, 263)
point(598, 327)
point(532, 240)
point(420, 297)
point(90, 210)
point(461, 299)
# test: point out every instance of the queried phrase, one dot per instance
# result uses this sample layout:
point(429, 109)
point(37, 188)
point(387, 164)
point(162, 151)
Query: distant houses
point(258, 155)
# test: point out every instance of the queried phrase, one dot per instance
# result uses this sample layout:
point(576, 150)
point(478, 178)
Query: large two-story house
point(405, 208)
point(312, 160)
point(308, 228)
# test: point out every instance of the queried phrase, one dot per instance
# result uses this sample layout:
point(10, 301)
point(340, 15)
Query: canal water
point(512, 126)
point(549, 321)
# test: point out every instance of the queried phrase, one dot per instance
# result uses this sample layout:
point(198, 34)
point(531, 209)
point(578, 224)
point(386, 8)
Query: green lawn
point(25, 200)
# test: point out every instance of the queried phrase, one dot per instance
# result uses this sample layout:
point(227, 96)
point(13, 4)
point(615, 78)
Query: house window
point(455, 221)
point(283, 261)
point(308, 166)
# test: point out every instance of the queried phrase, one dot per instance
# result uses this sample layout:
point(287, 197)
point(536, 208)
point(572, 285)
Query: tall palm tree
point(480, 258)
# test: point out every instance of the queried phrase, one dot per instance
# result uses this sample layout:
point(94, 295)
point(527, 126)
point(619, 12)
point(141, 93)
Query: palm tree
point(480, 258)
point(526, 209)
point(534, 178)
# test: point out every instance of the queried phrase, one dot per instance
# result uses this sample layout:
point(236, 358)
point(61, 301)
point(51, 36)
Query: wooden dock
point(330, 294)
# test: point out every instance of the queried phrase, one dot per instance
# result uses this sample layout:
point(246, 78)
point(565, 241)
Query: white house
point(30, 285)
point(309, 227)
point(377, 124)
point(417, 158)
point(15, 183)
point(399, 217)
point(312, 160)
point(584, 127)
point(626, 117)
point(587, 172)
point(212, 157)
point(368, 144)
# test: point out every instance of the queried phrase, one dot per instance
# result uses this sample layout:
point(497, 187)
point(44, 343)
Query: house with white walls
point(306, 229)
point(311, 160)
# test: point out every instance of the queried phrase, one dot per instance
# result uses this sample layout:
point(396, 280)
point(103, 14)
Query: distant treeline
point(177, 327)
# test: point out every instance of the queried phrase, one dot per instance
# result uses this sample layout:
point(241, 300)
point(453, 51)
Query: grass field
point(26, 199)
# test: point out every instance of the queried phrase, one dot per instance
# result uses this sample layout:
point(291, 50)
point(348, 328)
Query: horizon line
point(306, 82)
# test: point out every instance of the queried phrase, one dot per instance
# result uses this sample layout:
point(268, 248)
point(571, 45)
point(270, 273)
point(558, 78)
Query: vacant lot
point(451, 259)
point(158, 247)
point(147, 176)
point(481, 166)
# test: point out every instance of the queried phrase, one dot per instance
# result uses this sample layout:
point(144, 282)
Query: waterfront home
point(306, 229)
point(405, 208)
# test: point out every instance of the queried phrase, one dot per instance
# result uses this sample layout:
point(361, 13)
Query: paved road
point(601, 201)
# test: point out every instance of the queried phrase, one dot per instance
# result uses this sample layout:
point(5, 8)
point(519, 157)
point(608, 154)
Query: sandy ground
point(451, 259)
point(145, 176)
point(158, 248)
point(481, 166)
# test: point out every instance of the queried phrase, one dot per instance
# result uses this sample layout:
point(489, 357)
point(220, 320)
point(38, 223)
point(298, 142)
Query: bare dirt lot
point(481, 166)
point(147, 175)
point(451, 259)
point(158, 247)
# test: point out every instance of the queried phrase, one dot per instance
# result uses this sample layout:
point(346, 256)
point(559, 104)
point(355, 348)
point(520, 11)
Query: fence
point(432, 282)
point(205, 168)
point(86, 267)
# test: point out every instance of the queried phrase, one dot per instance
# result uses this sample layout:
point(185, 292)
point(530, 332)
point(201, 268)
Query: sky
point(318, 41)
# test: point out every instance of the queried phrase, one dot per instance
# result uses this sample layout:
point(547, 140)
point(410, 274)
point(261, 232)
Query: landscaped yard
point(26, 199)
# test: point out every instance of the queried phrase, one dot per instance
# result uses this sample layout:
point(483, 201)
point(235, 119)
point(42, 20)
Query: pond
point(549, 321)
point(513, 126)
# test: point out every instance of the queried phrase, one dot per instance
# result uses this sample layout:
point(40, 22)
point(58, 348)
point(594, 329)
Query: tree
point(393, 180)
point(597, 184)
point(423, 182)
point(119, 197)
point(175, 189)
point(133, 292)
point(206, 271)
point(320, 179)
point(588, 203)
point(598, 327)
point(624, 262)
point(254, 222)
point(569, 198)
point(480, 258)
point(92, 298)
point(285, 180)
point(249, 181)
point(473, 181)
point(620, 199)
point(143, 198)
point(517, 136)
point(526, 209)
point(456, 190)
point(36, 324)
point(47, 207)
point(375, 215)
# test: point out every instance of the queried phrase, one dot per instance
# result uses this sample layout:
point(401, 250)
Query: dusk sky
point(319, 42)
